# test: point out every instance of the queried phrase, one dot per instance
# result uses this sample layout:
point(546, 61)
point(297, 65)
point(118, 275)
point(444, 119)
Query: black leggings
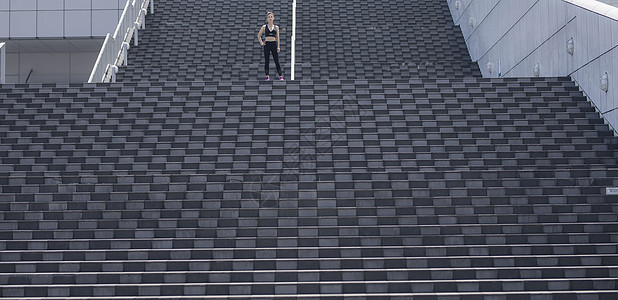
point(271, 47)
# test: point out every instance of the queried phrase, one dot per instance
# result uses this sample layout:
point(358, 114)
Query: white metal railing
point(2, 63)
point(293, 39)
point(115, 48)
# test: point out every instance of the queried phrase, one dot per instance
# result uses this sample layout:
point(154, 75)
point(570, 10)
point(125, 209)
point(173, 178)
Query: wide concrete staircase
point(184, 184)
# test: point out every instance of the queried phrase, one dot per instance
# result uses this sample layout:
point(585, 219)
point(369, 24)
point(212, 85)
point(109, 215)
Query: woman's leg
point(266, 59)
point(276, 58)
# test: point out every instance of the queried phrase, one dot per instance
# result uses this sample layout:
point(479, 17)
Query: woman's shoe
point(281, 78)
point(267, 78)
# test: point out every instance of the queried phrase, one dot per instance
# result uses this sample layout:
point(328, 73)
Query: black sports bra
point(272, 33)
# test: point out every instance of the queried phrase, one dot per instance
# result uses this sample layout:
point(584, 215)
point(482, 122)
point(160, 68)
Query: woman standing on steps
point(271, 44)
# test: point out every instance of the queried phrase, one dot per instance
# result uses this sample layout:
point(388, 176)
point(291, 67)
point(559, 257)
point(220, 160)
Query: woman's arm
point(260, 35)
point(278, 49)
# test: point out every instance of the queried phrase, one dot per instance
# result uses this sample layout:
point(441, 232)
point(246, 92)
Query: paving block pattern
point(333, 188)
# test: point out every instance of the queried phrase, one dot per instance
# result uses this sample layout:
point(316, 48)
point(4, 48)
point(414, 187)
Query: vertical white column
point(125, 51)
point(136, 34)
point(2, 63)
point(143, 19)
point(293, 38)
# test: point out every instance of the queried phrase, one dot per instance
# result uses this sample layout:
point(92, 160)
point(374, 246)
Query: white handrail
point(293, 38)
point(2, 63)
point(114, 50)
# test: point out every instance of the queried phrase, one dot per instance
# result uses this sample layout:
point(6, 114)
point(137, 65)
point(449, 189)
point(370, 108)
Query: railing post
point(293, 39)
point(114, 71)
point(135, 33)
point(144, 11)
point(125, 50)
point(2, 63)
